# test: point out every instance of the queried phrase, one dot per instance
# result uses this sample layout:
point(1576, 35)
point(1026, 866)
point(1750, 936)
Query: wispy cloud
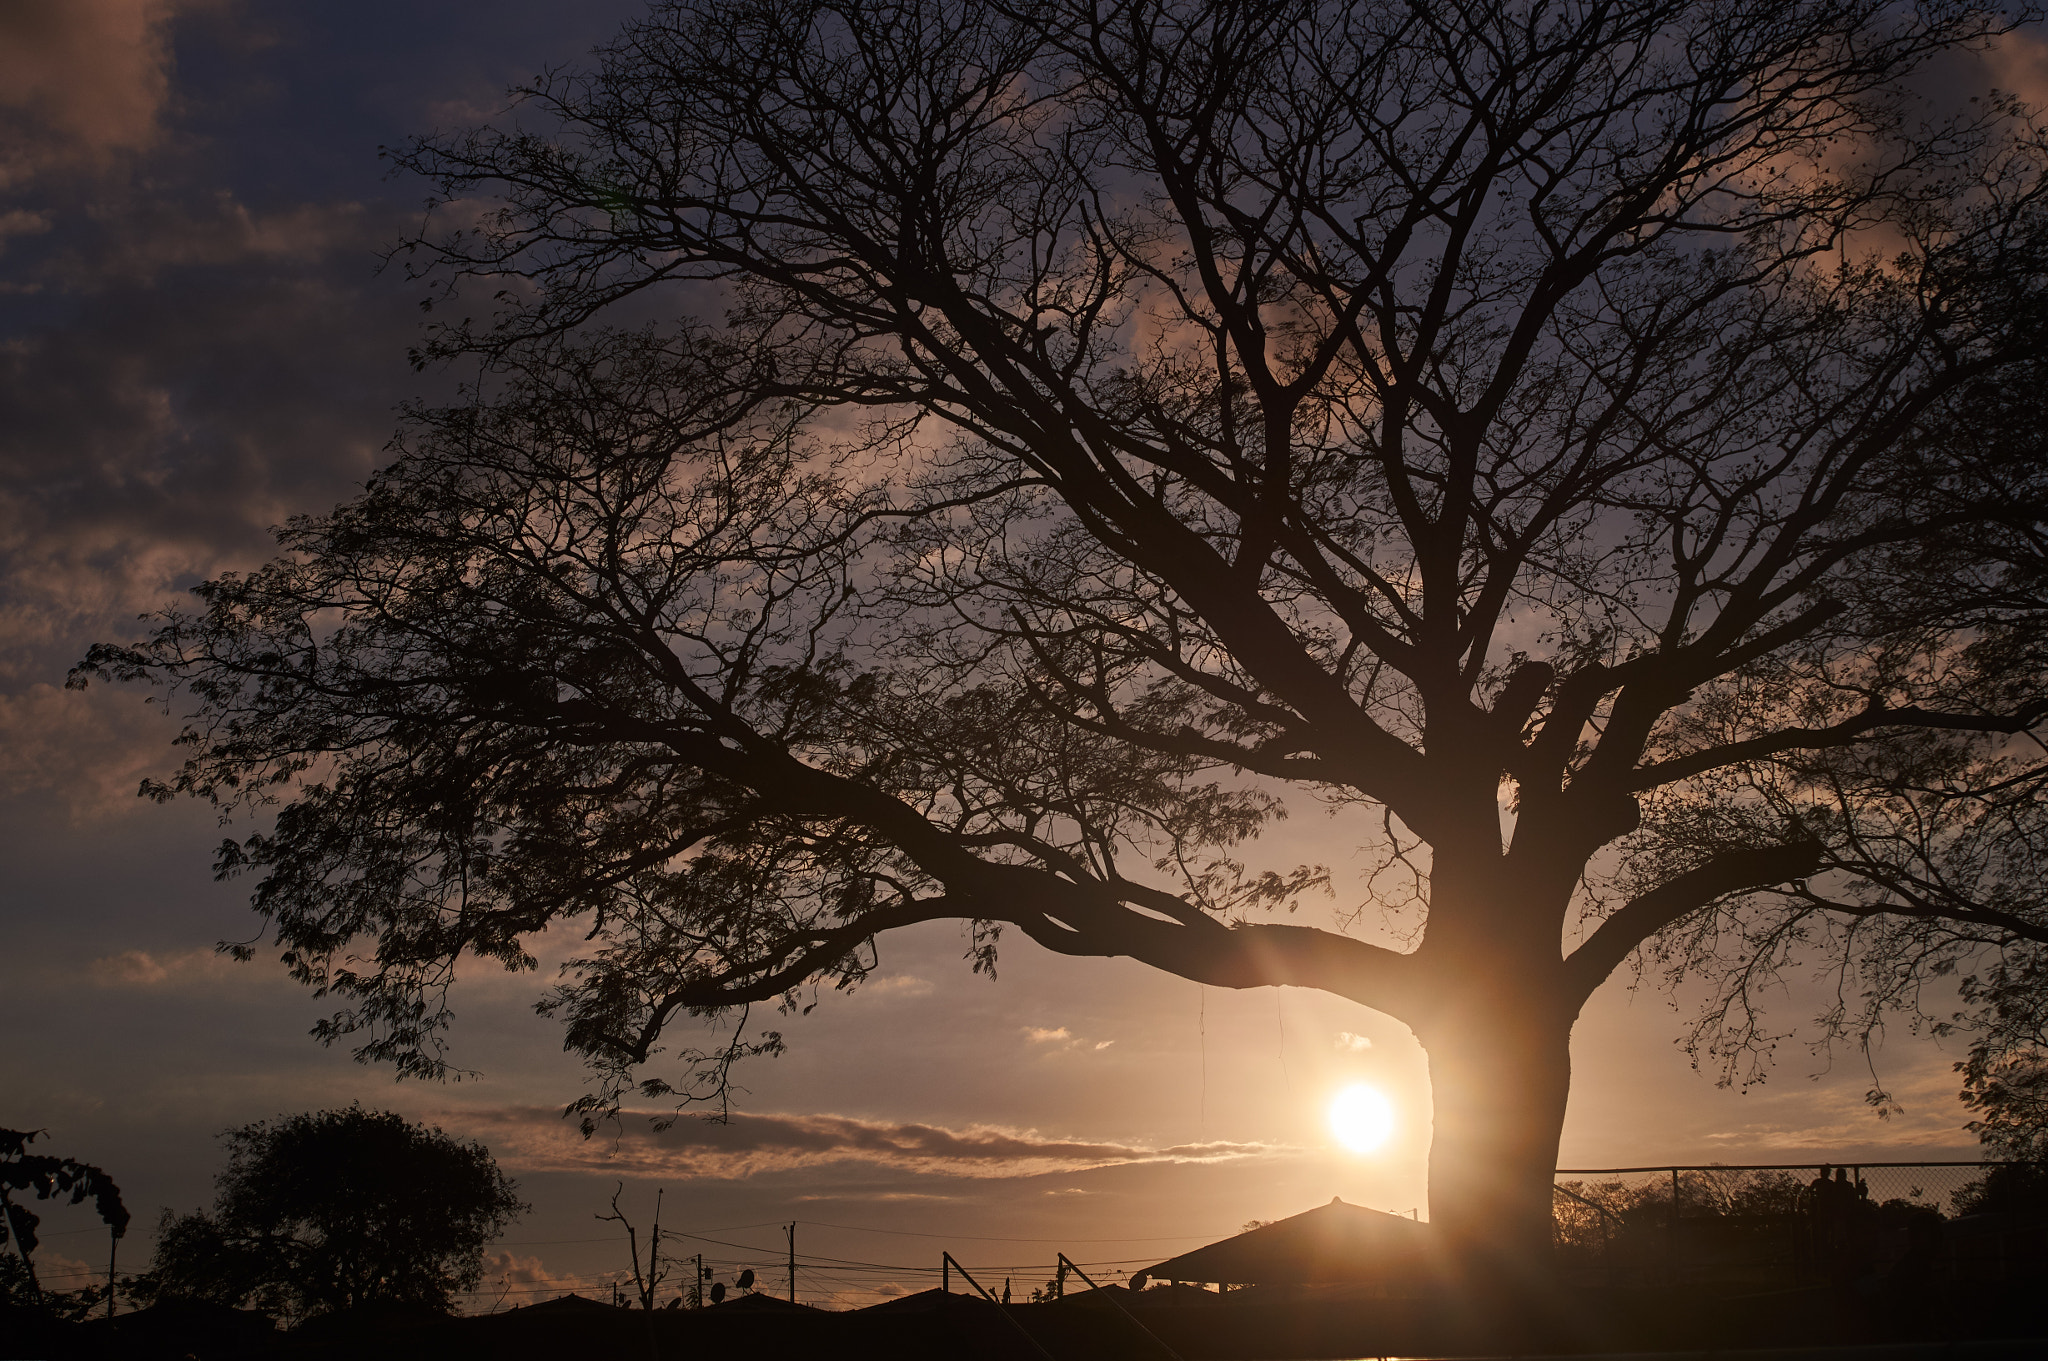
point(841, 1196)
point(1061, 1039)
point(537, 1140)
point(142, 969)
point(512, 1279)
point(56, 1271)
point(1799, 1119)
point(83, 752)
point(1352, 1044)
point(22, 222)
point(897, 985)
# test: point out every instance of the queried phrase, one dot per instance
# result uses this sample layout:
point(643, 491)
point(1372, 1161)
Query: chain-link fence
point(1766, 1226)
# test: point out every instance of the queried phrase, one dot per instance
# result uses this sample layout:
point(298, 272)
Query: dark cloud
point(221, 371)
point(197, 341)
point(535, 1139)
point(157, 436)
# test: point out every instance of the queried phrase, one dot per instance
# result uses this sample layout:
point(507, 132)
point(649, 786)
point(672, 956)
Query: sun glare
point(1361, 1118)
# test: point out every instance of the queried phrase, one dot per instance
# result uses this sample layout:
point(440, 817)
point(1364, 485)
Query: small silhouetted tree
point(983, 461)
point(333, 1209)
point(24, 1173)
point(646, 1284)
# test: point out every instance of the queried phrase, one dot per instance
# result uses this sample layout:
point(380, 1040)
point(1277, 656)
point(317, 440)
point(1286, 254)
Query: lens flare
point(1361, 1118)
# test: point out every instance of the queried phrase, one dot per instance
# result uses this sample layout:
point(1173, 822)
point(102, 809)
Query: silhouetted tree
point(646, 1284)
point(2005, 1084)
point(2005, 1077)
point(333, 1209)
point(48, 1178)
point(1570, 442)
point(2010, 1188)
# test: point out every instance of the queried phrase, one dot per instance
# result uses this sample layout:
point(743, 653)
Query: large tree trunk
point(1500, 1071)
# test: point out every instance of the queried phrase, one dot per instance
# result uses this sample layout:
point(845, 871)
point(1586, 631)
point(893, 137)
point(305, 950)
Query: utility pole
point(697, 1282)
point(654, 1250)
point(790, 1232)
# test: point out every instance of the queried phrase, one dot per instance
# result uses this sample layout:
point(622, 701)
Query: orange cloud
point(510, 1279)
point(80, 79)
point(85, 752)
point(2019, 64)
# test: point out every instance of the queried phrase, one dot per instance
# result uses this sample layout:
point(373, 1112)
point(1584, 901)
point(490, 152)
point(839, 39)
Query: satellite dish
point(746, 1280)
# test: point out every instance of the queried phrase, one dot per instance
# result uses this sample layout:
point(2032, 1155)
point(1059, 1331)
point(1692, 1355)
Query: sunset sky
point(196, 342)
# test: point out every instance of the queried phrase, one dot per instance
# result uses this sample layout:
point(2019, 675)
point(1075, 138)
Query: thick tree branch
point(2007, 923)
point(1730, 872)
point(1874, 719)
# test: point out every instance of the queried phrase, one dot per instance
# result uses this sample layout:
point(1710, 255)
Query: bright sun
point(1361, 1118)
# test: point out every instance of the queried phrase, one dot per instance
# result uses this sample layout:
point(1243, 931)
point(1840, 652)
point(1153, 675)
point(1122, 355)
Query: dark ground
point(1896, 1323)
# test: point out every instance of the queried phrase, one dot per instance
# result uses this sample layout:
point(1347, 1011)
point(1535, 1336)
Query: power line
point(608, 1238)
point(817, 1260)
point(551, 1242)
point(983, 1238)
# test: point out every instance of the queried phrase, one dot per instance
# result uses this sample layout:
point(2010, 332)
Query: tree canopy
point(983, 462)
point(333, 1209)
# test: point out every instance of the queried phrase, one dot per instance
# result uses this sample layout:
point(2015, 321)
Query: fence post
point(1066, 1266)
point(1671, 1229)
point(1008, 1317)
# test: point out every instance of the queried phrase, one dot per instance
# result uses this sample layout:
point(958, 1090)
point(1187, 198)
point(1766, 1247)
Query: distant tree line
point(1746, 1210)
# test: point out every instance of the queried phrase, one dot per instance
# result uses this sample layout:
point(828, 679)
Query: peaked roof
point(928, 1301)
point(570, 1303)
point(760, 1302)
point(1334, 1242)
